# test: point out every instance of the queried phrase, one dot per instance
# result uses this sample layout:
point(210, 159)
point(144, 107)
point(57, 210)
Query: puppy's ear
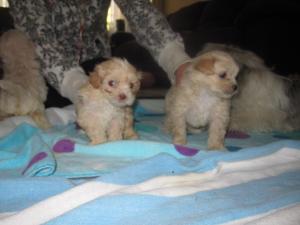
point(137, 83)
point(95, 80)
point(139, 75)
point(206, 65)
point(96, 77)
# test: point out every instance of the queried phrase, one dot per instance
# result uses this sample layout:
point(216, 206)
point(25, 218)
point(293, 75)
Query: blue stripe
point(19, 193)
point(207, 207)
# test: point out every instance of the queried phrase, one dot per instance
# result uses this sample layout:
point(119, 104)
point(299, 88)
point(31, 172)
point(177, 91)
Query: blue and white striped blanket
point(54, 177)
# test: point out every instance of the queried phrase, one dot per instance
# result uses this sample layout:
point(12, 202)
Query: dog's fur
point(202, 98)
point(104, 109)
point(22, 87)
point(263, 103)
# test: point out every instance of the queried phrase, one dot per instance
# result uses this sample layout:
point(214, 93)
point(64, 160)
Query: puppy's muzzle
point(231, 90)
point(234, 88)
point(122, 97)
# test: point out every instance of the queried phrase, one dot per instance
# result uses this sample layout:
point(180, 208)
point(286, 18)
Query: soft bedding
point(56, 177)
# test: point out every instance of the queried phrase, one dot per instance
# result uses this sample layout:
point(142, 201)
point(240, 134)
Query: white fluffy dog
point(202, 98)
point(22, 88)
point(262, 103)
point(104, 108)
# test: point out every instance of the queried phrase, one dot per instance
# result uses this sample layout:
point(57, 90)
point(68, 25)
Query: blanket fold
point(24, 152)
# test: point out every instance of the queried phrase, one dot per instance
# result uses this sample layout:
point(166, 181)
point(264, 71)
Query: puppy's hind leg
point(177, 127)
point(129, 132)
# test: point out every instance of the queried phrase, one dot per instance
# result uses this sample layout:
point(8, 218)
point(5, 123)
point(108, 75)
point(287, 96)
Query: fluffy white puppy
point(22, 88)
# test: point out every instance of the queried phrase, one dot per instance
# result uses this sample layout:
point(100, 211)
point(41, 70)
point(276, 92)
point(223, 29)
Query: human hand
point(72, 82)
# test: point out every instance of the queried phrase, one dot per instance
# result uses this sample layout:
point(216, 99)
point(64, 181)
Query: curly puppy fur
point(104, 109)
point(263, 103)
point(22, 88)
point(202, 98)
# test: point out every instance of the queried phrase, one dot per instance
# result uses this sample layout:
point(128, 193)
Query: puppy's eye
point(223, 75)
point(112, 83)
point(131, 85)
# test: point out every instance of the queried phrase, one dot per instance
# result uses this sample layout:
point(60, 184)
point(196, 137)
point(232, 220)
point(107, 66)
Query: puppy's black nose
point(234, 87)
point(122, 96)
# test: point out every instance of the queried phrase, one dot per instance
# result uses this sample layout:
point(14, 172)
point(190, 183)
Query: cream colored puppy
point(22, 89)
point(202, 98)
point(104, 109)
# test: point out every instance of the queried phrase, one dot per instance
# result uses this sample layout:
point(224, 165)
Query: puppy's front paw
point(179, 140)
point(96, 141)
point(131, 134)
point(216, 146)
point(115, 137)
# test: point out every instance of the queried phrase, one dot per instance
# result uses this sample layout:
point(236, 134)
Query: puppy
point(104, 109)
point(263, 103)
point(22, 87)
point(202, 98)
